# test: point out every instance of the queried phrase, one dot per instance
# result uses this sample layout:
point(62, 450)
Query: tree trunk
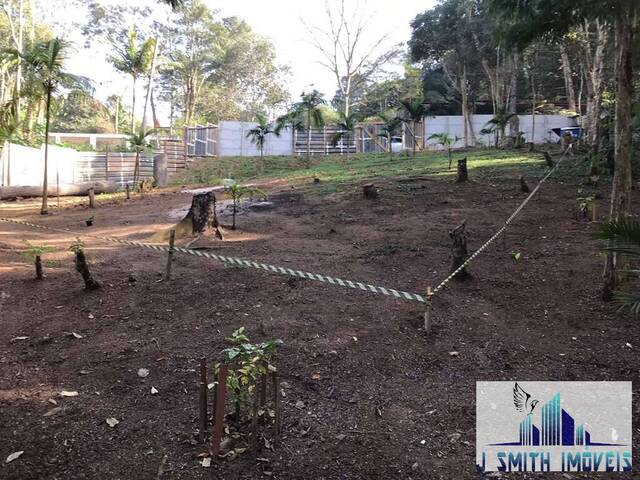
point(595, 84)
point(133, 106)
point(465, 104)
point(81, 188)
point(44, 210)
point(463, 174)
point(308, 138)
point(514, 122)
point(370, 191)
point(82, 266)
point(568, 80)
point(459, 249)
point(147, 99)
point(136, 171)
point(621, 188)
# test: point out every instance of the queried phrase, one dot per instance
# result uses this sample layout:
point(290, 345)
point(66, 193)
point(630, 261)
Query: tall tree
point(46, 60)
point(133, 57)
point(524, 21)
point(344, 49)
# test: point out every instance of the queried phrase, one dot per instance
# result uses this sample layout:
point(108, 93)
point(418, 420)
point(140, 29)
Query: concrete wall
point(454, 126)
point(233, 141)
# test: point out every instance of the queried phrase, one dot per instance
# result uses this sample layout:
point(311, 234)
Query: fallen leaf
point(66, 393)
point(18, 339)
point(629, 345)
point(53, 411)
point(378, 412)
point(112, 422)
point(91, 316)
point(206, 462)
point(52, 401)
point(13, 456)
point(299, 404)
point(154, 391)
point(143, 372)
point(76, 335)
point(315, 376)
point(454, 354)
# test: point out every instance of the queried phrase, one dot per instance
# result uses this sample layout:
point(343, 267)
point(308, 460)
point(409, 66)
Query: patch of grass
point(334, 170)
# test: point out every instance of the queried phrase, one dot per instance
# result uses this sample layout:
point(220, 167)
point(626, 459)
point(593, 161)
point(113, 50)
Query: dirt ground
point(381, 399)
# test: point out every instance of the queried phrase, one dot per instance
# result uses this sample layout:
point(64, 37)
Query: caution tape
point(515, 213)
point(242, 263)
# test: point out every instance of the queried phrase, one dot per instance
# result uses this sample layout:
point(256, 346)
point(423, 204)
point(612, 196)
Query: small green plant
point(585, 205)
point(249, 361)
point(447, 141)
point(237, 192)
point(516, 256)
point(34, 253)
point(76, 246)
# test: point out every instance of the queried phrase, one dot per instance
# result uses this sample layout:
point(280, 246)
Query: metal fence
point(201, 140)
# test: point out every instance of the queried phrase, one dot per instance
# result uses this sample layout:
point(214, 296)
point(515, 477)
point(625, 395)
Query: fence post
point(218, 414)
point(203, 399)
point(172, 240)
point(128, 190)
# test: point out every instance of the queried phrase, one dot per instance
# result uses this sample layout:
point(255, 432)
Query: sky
point(281, 21)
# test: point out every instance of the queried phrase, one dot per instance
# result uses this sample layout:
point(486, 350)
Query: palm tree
point(46, 60)
point(622, 237)
point(133, 58)
point(259, 133)
point(291, 121)
point(346, 130)
point(498, 124)
point(139, 143)
point(446, 141)
point(413, 112)
point(308, 107)
point(389, 130)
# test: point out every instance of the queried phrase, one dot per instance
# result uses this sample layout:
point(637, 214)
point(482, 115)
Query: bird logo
point(522, 400)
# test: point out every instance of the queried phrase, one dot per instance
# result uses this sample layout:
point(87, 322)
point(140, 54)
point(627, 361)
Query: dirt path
point(381, 400)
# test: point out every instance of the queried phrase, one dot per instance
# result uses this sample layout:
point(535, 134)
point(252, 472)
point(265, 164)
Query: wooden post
point(427, 313)
point(172, 240)
point(128, 189)
point(254, 418)
point(370, 191)
point(548, 160)
point(218, 414)
point(276, 406)
point(203, 399)
point(106, 164)
point(523, 185)
point(92, 198)
point(459, 249)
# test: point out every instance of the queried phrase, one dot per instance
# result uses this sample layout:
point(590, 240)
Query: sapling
point(34, 253)
point(82, 266)
point(249, 361)
point(237, 192)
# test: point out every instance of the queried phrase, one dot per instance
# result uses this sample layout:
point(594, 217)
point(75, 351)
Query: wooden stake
point(203, 399)
point(92, 198)
point(276, 407)
point(172, 240)
point(128, 189)
point(427, 313)
point(218, 414)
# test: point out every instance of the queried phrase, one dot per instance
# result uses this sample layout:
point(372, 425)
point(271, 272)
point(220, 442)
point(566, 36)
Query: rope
point(243, 263)
point(497, 234)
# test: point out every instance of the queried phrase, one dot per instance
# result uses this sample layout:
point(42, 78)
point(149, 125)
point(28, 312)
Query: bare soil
point(382, 400)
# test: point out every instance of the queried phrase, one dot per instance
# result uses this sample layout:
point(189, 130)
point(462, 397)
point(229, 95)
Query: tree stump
point(530, 147)
point(370, 191)
point(523, 185)
point(38, 263)
point(200, 219)
point(82, 266)
point(547, 159)
point(459, 249)
point(463, 173)
point(92, 198)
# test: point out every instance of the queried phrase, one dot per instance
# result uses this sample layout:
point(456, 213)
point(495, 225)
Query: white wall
point(233, 141)
point(454, 126)
point(24, 166)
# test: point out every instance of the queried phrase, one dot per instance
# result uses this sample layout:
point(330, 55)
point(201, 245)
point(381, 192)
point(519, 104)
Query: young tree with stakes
point(389, 130)
point(309, 109)
point(139, 143)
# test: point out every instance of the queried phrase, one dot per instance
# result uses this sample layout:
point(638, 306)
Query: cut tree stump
point(370, 191)
point(547, 159)
point(463, 173)
point(82, 266)
point(523, 185)
point(200, 220)
point(459, 249)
